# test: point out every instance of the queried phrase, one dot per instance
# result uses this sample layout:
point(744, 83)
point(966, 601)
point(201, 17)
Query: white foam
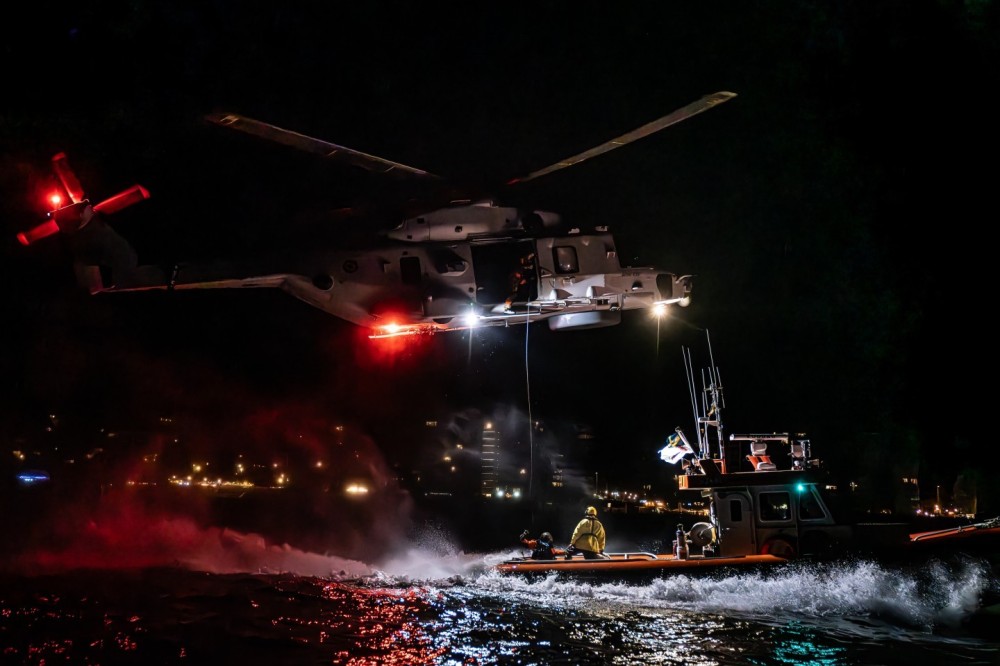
point(934, 595)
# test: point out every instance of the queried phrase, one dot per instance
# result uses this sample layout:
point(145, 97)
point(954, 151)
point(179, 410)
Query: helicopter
point(449, 264)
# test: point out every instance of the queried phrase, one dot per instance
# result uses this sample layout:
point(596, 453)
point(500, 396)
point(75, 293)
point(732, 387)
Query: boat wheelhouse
point(764, 490)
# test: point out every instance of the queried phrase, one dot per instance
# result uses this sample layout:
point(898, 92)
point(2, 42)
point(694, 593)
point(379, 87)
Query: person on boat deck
point(542, 548)
point(588, 537)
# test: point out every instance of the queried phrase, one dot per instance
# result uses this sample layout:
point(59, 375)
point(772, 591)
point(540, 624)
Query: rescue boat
point(767, 505)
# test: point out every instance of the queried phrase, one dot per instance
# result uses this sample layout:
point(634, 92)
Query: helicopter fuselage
point(491, 277)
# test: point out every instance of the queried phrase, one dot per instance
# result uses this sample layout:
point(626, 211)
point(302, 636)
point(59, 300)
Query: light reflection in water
point(802, 616)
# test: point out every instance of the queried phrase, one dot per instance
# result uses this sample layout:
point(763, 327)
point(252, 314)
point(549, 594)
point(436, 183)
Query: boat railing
point(638, 555)
point(992, 523)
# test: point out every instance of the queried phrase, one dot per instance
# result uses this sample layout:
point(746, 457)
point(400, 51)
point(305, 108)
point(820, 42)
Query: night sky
point(833, 213)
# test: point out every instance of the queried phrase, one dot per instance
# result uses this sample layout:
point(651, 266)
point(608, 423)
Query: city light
point(356, 489)
point(32, 477)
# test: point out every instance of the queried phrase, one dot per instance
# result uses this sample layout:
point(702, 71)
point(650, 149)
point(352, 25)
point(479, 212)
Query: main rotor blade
point(316, 146)
point(683, 113)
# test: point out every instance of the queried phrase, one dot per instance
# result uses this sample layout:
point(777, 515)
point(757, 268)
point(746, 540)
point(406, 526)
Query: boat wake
point(861, 598)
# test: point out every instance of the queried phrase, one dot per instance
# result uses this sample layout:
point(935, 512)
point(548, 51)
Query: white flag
point(676, 448)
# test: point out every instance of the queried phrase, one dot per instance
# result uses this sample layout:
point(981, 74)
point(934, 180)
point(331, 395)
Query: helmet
point(546, 537)
point(591, 511)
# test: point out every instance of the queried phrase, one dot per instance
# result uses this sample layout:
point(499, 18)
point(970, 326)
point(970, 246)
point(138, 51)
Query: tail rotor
point(76, 215)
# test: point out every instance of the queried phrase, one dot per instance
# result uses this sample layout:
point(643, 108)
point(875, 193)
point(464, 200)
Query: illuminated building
point(490, 455)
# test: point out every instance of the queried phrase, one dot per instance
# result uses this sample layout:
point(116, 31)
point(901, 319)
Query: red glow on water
point(124, 533)
point(383, 627)
point(119, 536)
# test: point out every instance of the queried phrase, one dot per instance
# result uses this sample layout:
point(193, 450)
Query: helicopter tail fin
point(105, 261)
point(101, 257)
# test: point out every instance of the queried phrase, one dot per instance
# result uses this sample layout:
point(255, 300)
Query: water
point(265, 604)
point(147, 579)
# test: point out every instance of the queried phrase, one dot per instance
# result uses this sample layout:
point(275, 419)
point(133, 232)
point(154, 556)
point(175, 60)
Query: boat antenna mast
point(708, 420)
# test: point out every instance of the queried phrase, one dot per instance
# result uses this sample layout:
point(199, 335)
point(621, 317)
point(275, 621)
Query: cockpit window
point(775, 506)
point(809, 506)
point(565, 259)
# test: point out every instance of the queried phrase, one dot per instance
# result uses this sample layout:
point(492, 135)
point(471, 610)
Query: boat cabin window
point(565, 259)
point(809, 506)
point(775, 506)
point(735, 511)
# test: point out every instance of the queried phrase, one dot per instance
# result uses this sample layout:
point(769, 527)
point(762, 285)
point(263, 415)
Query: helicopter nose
point(674, 289)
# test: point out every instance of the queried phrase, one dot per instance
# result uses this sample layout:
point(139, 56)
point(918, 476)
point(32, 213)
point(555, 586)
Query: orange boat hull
point(619, 563)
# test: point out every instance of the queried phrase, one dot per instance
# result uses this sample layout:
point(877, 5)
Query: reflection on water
point(464, 614)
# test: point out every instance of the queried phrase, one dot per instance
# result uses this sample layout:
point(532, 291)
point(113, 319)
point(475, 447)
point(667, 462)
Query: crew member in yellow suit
point(588, 537)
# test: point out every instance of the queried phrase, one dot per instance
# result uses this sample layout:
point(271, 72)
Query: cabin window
point(735, 511)
point(409, 270)
point(809, 507)
point(775, 506)
point(565, 259)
